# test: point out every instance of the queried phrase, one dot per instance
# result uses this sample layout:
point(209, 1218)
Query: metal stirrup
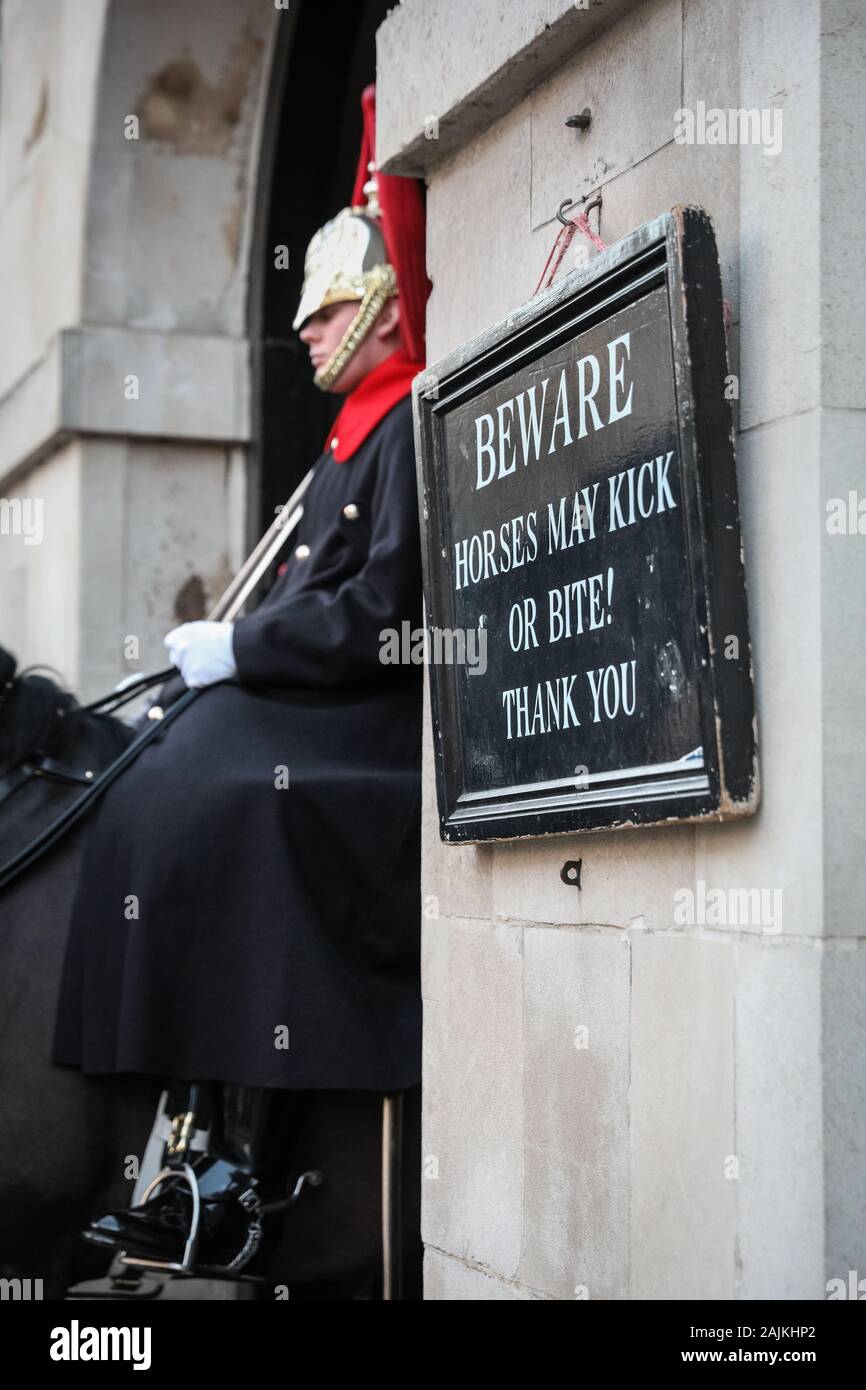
point(249, 1200)
point(185, 1172)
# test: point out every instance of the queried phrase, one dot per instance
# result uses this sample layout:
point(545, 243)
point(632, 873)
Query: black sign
point(587, 628)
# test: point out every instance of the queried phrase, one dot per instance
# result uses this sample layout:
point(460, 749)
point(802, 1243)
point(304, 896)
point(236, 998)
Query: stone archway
point(174, 160)
point(155, 401)
point(131, 405)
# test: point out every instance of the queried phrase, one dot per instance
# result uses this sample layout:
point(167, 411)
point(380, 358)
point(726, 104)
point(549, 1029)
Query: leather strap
point(73, 813)
point(15, 778)
point(48, 768)
point(116, 698)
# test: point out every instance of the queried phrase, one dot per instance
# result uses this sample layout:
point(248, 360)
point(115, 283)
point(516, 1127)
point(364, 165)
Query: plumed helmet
point(339, 262)
point(369, 252)
point(345, 261)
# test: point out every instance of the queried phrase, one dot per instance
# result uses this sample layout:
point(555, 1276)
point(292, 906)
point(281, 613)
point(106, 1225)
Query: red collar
point(369, 403)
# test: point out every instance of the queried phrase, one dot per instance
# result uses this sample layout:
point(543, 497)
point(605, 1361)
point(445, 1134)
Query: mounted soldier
point(247, 920)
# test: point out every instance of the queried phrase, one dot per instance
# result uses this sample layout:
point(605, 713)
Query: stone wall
point(129, 138)
point(709, 1141)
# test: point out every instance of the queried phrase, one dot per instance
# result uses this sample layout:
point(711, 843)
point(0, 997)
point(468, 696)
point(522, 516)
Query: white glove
point(202, 652)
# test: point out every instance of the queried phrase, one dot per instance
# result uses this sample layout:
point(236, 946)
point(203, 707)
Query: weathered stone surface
point(469, 240)
point(188, 387)
point(472, 1131)
point(48, 98)
point(568, 163)
point(747, 1020)
point(682, 1136)
point(624, 876)
point(171, 210)
point(452, 1281)
point(779, 506)
point(843, 988)
point(843, 178)
point(40, 584)
point(455, 879)
point(467, 65)
point(576, 1087)
point(780, 215)
point(781, 1190)
point(843, 657)
point(94, 581)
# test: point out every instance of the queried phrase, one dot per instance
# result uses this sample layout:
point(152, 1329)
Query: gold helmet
point(347, 260)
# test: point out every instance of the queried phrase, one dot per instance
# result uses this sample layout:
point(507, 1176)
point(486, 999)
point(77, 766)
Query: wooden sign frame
point(676, 252)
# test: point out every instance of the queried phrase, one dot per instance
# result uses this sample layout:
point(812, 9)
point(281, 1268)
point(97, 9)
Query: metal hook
point(570, 872)
point(570, 202)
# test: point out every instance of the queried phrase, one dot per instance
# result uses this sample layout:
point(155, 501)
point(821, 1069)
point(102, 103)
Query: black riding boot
point(222, 1212)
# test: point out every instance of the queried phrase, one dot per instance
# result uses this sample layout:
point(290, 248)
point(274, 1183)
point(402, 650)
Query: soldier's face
point(324, 331)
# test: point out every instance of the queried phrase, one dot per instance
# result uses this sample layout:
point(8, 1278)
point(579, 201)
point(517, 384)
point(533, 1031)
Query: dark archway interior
point(310, 150)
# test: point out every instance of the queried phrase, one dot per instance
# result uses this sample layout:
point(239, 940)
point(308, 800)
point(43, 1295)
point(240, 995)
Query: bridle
point(50, 769)
point(54, 769)
point(92, 784)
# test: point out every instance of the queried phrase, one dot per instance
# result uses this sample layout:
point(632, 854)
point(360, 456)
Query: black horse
point(65, 1138)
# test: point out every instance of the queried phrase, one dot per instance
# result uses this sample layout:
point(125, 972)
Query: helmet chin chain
point(381, 285)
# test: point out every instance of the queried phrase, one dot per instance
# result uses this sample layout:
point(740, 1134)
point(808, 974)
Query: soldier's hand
point(202, 652)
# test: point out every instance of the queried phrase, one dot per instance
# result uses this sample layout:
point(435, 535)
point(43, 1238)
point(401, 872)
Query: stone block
point(41, 583)
point(455, 879)
point(629, 121)
point(625, 875)
point(450, 1280)
point(682, 1138)
point(175, 386)
point(576, 1086)
point(472, 1158)
point(478, 222)
point(843, 182)
point(780, 1193)
point(780, 217)
point(427, 109)
point(843, 672)
point(843, 988)
point(777, 849)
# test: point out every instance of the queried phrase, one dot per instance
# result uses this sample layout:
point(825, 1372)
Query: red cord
point(564, 238)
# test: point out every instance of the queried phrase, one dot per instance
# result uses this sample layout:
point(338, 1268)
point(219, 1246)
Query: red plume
point(404, 229)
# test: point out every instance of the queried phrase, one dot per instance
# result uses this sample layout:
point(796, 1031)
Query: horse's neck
point(33, 805)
